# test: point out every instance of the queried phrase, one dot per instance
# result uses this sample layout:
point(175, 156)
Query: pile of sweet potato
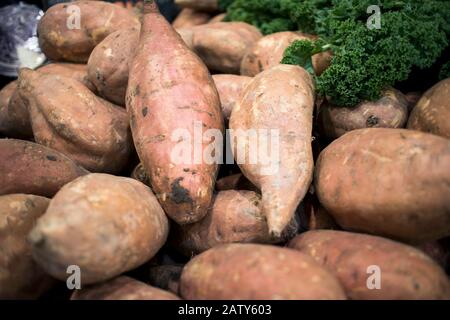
point(104, 175)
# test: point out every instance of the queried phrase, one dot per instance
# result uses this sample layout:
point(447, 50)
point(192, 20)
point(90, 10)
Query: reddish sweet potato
point(72, 70)
point(189, 18)
point(269, 50)
point(104, 224)
point(170, 90)
point(122, 288)
point(27, 167)
point(109, 64)
point(389, 182)
point(251, 271)
point(86, 128)
point(281, 99)
point(432, 112)
point(234, 217)
point(71, 31)
point(405, 272)
point(5, 96)
point(229, 87)
point(390, 111)
point(202, 5)
point(20, 276)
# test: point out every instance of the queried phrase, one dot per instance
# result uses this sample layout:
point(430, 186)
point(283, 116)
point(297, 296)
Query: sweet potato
point(235, 182)
point(269, 50)
point(189, 18)
point(278, 103)
point(122, 288)
point(72, 120)
point(166, 277)
point(390, 111)
point(27, 167)
point(109, 64)
point(261, 272)
point(432, 112)
point(234, 217)
point(229, 87)
point(388, 182)
point(405, 272)
point(20, 276)
point(170, 91)
point(70, 32)
point(222, 45)
point(104, 224)
point(218, 18)
point(202, 5)
point(75, 71)
point(5, 96)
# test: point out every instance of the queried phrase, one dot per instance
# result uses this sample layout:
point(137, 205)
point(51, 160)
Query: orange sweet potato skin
point(282, 99)
point(406, 273)
point(97, 20)
point(250, 271)
point(75, 71)
point(86, 128)
point(222, 45)
point(5, 97)
point(109, 64)
point(230, 88)
point(189, 18)
point(234, 217)
point(27, 167)
point(432, 112)
point(389, 182)
point(20, 276)
point(104, 224)
point(122, 288)
point(269, 50)
point(390, 111)
point(171, 89)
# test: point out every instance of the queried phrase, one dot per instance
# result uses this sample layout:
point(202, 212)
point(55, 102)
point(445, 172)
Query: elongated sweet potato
point(432, 112)
point(390, 111)
point(234, 217)
point(122, 288)
point(389, 182)
point(170, 93)
point(269, 50)
point(27, 167)
point(276, 107)
point(75, 71)
point(72, 120)
point(109, 64)
point(20, 276)
point(357, 259)
point(251, 271)
point(189, 18)
point(104, 224)
point(5, 96)
point(222, 45)
point(230, 88)
point(202, 5)
point(70, 32)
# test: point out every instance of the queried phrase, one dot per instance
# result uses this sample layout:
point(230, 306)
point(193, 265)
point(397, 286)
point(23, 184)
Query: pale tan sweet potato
point(390, 111)
point(170, 93)
point(222, 45)
point(234, 217)
point(278, 103)
point(189, 18)
point(122, 288)
point(405, 272)
point(70, 31)
point(109, 64)
point(389, 182)
point(269, 50)
point(74, 121)
point(230, 87)
point(202, 5)
point(262, 272)
point(432, 112)
point(27, 167)
point(20, 276)
point(104, 224)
